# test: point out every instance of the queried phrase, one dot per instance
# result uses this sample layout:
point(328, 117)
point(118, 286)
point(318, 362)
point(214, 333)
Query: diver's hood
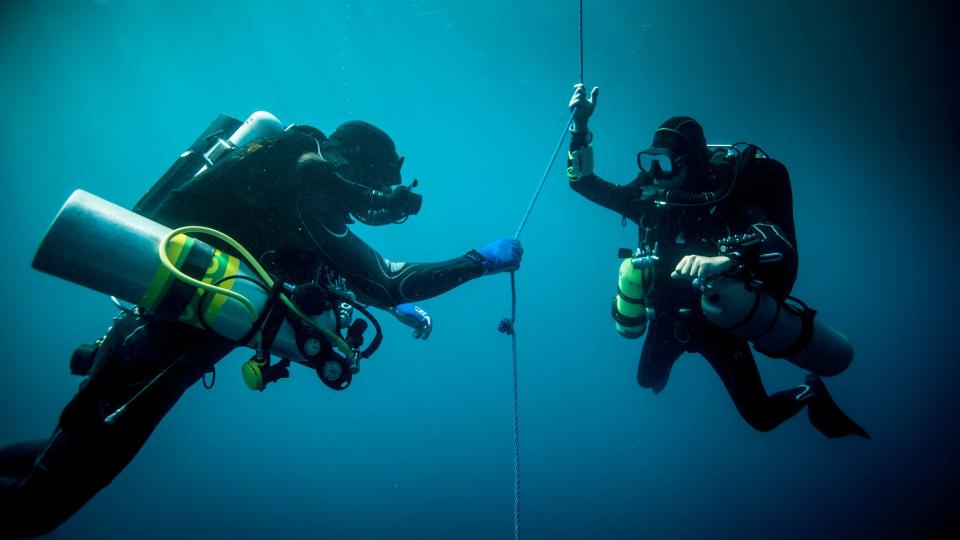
point(695, 181)
point(681, 135)
point(682, 139)
point(370, 152)
point(371, 182)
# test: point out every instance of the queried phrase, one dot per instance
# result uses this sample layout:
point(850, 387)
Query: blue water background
point(858, 99)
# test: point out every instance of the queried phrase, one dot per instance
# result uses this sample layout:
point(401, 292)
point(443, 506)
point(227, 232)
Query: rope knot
point(505, 326)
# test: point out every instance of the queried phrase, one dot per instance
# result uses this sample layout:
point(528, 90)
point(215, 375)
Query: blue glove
point(502, 255)
point(415, 318)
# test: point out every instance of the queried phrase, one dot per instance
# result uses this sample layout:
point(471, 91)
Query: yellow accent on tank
point(334, 338)
point(634, 285)
point(177, 249)
point(232, 267)
point(221, 265)
point(214, 263)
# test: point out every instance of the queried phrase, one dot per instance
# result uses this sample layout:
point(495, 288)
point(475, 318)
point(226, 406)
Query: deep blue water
point(858, 99)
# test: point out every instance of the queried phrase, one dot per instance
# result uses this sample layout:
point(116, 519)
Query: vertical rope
point(581, 41)
point(516, 410)
point(508, 326)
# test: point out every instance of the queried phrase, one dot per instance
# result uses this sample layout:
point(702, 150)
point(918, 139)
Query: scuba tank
point(779, 329)
point(257, 126)
point(634, 285)
point(109, 249)
point(209, 147)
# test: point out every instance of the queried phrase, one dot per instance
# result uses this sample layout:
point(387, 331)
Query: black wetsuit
point(270, 200)
point(679, 324)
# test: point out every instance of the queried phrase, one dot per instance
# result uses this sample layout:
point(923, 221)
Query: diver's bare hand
point(582, 106)
point(698, 266)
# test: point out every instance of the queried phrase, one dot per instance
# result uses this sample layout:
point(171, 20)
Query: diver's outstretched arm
point(389, 283)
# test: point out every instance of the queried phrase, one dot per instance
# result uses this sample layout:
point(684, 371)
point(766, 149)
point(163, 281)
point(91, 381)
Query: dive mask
point(658, 163)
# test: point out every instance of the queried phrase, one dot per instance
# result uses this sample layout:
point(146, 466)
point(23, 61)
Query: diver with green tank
point(245, 241)
point(714, 268)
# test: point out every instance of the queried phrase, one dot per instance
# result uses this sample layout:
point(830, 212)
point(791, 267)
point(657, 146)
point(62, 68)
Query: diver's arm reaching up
point(627, 199)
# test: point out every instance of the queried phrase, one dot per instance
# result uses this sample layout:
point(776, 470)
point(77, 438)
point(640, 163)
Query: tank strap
point(629, 299)
point(625, 320)
point(806, 333)
point(807, 316)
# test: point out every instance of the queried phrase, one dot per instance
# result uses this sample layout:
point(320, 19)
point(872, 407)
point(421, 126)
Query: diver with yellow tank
point(245, 241)
point(716, 262)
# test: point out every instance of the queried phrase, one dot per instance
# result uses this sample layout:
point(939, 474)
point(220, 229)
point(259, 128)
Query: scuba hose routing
point(257, 372)
point(730, 153)
point(170, 275)
point(268, 283)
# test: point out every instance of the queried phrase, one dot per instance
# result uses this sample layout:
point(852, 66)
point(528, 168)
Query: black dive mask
point(659, 164)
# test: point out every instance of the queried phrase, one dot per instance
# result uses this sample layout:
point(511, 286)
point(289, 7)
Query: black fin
point(825, 414)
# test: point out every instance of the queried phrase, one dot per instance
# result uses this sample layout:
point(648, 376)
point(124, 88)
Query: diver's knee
point(646, 380)
point(762, 427)
point(761, 422)
point(653, 375)
point(757, 415)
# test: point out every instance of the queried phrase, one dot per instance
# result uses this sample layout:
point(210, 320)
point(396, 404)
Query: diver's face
point(666, 170)
point(675, 180)
point(379, 176)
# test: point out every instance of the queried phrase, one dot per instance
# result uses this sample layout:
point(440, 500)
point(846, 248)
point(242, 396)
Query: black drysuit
point(274, 196)
point(761, 190)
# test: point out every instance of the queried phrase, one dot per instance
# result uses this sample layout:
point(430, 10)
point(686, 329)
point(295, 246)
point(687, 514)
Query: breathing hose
point(268, 282)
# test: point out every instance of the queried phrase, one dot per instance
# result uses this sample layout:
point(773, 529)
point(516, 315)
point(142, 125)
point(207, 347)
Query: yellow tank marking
point(177, 249)
point(221, 265)
point(232, 268)
point(634, 285)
